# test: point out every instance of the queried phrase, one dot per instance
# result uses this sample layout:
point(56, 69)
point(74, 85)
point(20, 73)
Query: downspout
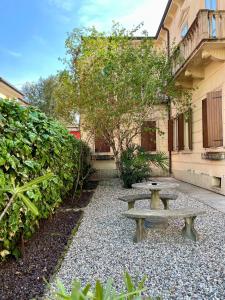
point(169, 99)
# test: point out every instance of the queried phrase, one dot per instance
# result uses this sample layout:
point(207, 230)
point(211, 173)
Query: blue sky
point(33, 32)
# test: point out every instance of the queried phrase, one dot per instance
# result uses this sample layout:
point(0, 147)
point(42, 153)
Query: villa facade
point(195, 145)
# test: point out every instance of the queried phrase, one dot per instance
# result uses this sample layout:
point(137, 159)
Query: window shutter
point(148, 137)
point(170, 135)
point(181, 132)
point(190, 130)
point(204, 124)
point(212, 120)
point(101, 145)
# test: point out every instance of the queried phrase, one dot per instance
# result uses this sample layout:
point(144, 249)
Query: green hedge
point(32, 145)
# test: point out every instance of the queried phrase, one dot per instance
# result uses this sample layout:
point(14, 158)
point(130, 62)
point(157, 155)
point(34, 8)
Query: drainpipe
point(169, 100)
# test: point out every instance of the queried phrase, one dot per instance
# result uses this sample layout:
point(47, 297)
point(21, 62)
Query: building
point(197, 145)
point(8, 91)
point(196, 140)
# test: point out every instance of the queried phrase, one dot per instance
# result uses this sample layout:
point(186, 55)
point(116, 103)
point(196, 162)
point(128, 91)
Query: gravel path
point(176, 268)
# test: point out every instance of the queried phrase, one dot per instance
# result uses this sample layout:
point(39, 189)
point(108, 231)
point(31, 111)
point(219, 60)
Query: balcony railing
point(208, 25)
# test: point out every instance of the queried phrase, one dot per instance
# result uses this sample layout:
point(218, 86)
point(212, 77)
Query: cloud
point(14, 53)
point(66, 5)
point(11, 52)
point(129, 13)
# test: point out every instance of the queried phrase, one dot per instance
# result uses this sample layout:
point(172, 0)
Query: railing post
point(222, 27)
point(204, 25)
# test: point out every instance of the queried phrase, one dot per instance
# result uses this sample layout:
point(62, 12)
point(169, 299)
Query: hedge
point(31, 145)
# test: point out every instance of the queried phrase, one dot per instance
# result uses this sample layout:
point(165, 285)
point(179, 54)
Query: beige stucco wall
point(10, 93)
point(189, 166)
point(108, 167)
point(181, 12)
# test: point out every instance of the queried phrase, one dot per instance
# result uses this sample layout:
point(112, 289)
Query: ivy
point(33, 145)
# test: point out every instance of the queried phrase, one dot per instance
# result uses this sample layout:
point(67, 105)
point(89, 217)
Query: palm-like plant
point(136, 164)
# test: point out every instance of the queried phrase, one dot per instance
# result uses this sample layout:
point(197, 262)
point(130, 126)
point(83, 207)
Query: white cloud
point(66, 5)
point(129, 13)
point(14, 53)
point(11, 52)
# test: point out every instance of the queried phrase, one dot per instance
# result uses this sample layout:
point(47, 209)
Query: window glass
point(211, 4)
point(184, 30)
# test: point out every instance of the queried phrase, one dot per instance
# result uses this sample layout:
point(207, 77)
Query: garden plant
point(116, 81)
point(34, 147)
point(136, 164)
point(101, 291)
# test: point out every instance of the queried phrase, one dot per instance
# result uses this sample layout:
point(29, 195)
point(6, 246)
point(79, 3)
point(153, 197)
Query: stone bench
point(165, 198)
point(188, 214)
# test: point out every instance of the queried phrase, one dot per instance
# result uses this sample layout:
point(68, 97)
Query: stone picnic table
point(155, 188)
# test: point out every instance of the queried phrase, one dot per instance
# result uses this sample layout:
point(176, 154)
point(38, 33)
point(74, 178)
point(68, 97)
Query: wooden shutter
point(212, 121)
point(181, 132)
point(148, 136)
point(170, 135)
point(190, 130)
point(101, 145)
point(204, 124)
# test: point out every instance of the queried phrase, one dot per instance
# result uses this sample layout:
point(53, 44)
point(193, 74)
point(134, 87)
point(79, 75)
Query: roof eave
point(163, 18)
point(11, 86)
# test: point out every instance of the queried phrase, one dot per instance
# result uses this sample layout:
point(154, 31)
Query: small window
point(148, 136)
point(180, 132)
point(211, 4)
point(184, 30)
point(216, 182)
point(101, 145)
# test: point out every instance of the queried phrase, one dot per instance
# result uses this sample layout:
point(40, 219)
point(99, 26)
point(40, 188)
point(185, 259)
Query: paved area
point(210, 198)
point(176, 268)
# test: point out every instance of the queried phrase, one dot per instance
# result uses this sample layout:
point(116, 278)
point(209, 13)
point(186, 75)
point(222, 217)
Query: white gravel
point(176, 268)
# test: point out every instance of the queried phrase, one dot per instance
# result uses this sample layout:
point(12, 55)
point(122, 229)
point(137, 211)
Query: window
point(101, 145)
point(184, 30)
point(212, 122)
point(148, 136)
point(180, 132)
point(211, 4)
point(217, 182)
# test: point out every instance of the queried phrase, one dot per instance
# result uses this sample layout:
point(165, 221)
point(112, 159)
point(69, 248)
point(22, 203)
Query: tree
point(41, 94)
point(115, 80)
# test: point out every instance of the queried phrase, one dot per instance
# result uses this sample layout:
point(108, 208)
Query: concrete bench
point(165, 198)
point(188, 214)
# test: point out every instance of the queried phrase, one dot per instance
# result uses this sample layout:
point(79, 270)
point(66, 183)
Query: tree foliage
point(33, 145)
point(116, 80)
point(41, 94)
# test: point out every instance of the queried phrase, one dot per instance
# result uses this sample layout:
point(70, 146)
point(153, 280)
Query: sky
point(33, 32)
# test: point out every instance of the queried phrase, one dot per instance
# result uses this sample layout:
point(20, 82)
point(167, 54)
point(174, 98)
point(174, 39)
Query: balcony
point(204, 40)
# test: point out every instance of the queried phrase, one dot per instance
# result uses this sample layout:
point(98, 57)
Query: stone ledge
point(102, 157)
point(213, 155)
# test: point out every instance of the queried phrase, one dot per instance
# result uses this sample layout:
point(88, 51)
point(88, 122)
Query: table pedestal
point(155, 222)
point(155, 200)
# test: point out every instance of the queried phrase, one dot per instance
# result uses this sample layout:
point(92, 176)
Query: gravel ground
point(176, 268)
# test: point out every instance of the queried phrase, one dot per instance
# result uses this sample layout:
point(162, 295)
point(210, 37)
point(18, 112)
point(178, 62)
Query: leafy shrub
point(103, 292)
point(136, 164)
point(31, 146)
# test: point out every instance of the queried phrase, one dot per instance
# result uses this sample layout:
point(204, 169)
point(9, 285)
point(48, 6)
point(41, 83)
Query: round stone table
point(154, 201)
point(155, 188)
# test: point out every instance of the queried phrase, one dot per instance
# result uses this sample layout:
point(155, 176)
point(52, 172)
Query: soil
point(26, 278)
